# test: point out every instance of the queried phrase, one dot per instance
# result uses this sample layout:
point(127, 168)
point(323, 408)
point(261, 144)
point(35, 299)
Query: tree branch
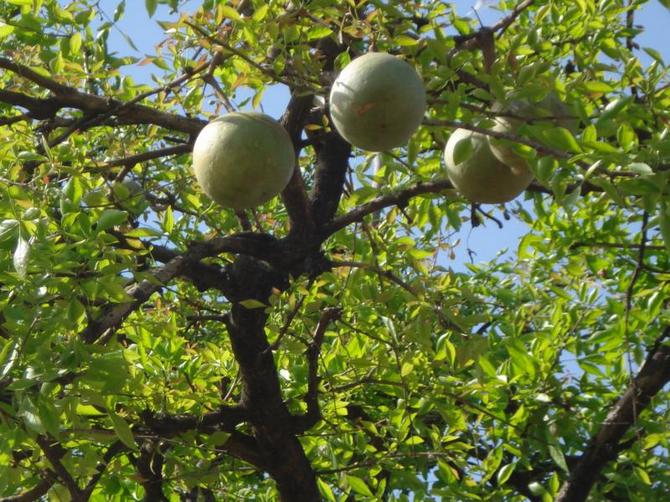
point(605, 445)
point(332, 162)
point(226, 418)
point(37, 491)
point(178, 264)
point(69, 97)
point(398, 198)
point(116, 448)
point(54, 452)
point(150, 468)
point(294, 195)
point(313, 414)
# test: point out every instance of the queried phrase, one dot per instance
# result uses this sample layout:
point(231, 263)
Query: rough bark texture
point(605, 445)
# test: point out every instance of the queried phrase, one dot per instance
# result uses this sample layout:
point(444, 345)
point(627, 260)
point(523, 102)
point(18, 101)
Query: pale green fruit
point(377, 102)
point(480, 176)
point(242, 160)
point(550, 107)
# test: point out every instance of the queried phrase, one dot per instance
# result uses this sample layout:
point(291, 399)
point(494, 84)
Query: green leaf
point(252, 304)
point(111, 218)
point(562, 139)
point(5, 30)
point(463, 150)
point(151, 6)
point(120, 9)
point(229, 12)
point(325, 490)
point(505, 472)
point(8, 357)
point(558, 457)
point(123, 431)
point(318, 32)
point(260, 13)
point(358, 485)
point(405, 41)
point(75, 43)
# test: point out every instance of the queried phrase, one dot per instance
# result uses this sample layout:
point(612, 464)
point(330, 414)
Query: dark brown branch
point(313, 414)
point(53, 451)
point(116, 448)
point(226, 418)
point(113, 316)
point(37, 491)
point(294, 195)
point(38, 108)
point(33, 76)
point(150, 468)
point(605, 445)
point(150, 155)
point(398, 198)
point(69, 97)
point(332, 162)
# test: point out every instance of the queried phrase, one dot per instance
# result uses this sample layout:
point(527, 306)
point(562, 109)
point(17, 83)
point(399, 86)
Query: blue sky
point(486, 241)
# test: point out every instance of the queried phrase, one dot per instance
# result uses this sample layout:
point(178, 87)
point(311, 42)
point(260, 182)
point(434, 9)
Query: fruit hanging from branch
point(477, 174)
point(243, 159)
point(377, 102)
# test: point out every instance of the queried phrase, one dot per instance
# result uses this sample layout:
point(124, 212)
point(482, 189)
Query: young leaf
point(123, 431)
point(151, 6)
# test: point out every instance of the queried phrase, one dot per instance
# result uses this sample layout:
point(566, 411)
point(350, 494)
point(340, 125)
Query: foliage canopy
point(324, 345)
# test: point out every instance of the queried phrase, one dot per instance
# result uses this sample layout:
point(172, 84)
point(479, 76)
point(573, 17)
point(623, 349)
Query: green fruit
point(243, 159)
point(479, 175)
point(550, 108)
point(377, 102)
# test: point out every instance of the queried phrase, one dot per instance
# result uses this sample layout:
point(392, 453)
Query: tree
point(322, 346)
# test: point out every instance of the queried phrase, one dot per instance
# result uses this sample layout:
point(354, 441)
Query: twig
point(313, 414)
point(541, 148)
point(150, 155)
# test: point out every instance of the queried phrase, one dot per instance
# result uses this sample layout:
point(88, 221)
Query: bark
point(605, 445)
point(283, 456)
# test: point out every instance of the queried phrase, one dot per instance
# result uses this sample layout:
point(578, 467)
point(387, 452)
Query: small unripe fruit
point(243, 159)
point(377, 102)
point(480, 176)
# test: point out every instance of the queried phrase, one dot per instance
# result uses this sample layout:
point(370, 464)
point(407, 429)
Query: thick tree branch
point(332, 162)
point(149, 466)
point(69, 97)
point(226, 418)
point(605, 445)
point(53, 451)
point(294, 195)
point(271, 421)
point(36, 492)
point(179, 264)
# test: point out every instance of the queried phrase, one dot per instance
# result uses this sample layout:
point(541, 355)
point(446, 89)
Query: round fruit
point(130, 196)
point(549, 109)
point(480, 176)
point(242, 160)
point(377, 102)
